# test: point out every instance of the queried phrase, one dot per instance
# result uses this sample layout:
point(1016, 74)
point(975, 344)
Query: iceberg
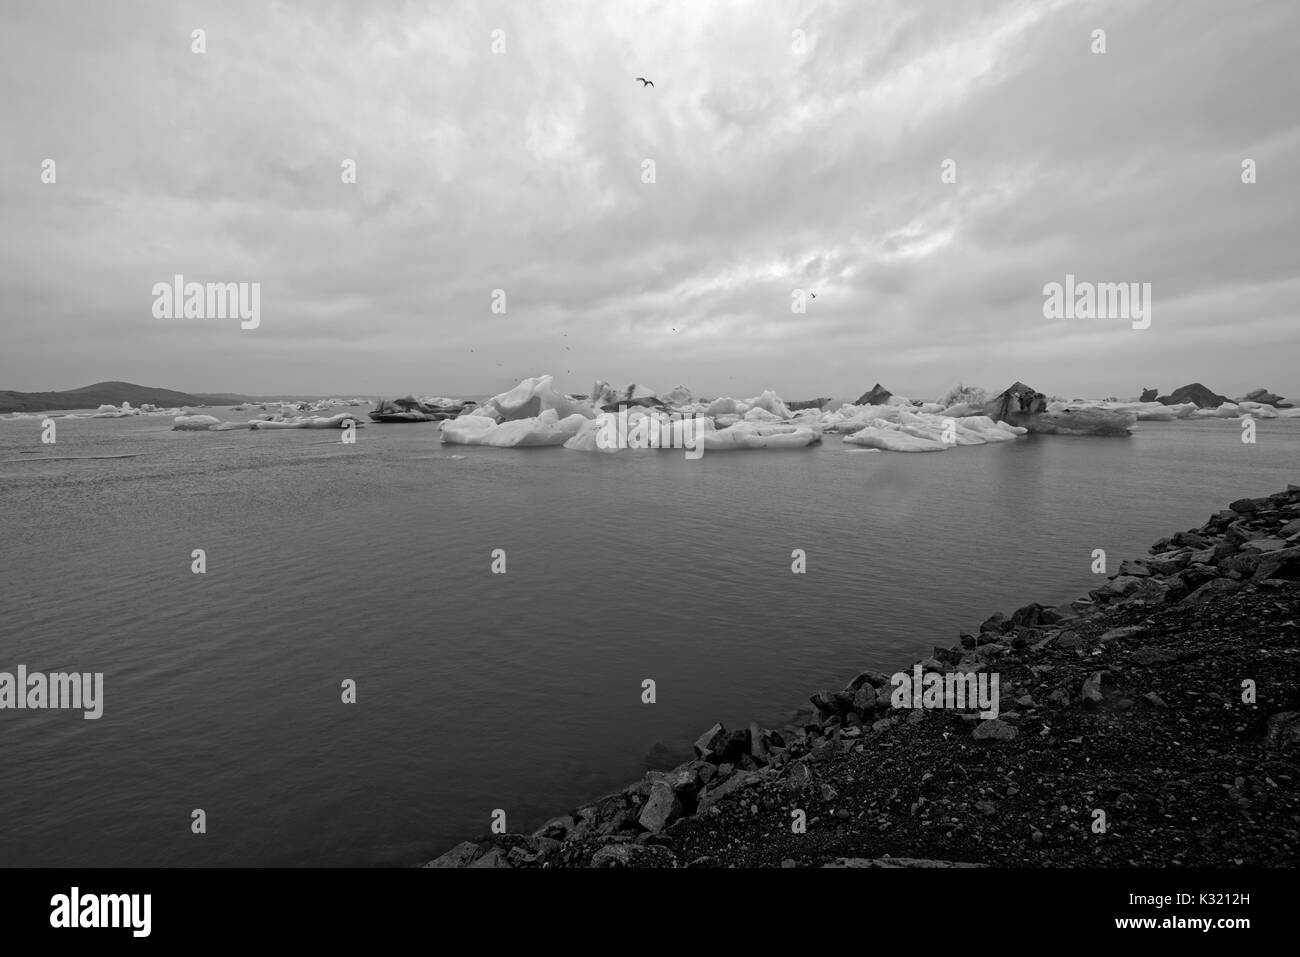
point(603, 394)
point(1145, 411)
point(1257, 409)
point(194, 423)
point(1083, 421)
point(640, 429)
point(1023, 406)
point(726, 406)
point(545, 429)
point(113, 412)
point(1227, 410)
point(910, 431)
point(340, 421)
point(894, 440)
point(965, 395)
point(769, 402)
point(1265, 397)
point(410, 409)
point(530, 398)
point(752, 435)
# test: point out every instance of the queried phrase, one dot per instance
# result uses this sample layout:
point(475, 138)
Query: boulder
point(1090, 694)
point(1149, 395)
point(557, 828)
point(1031, 615)
point(1284, 563)
point(1213, 589)
point(1283, 730)
point(736, 745)
point(757, 742)
point(993, 729)
point(459, 856)
point(495, 857)
point(633, 855)
point(1120, 587)
point(710, 744)
point(661, 809)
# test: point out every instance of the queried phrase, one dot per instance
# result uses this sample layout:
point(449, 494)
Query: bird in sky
point(645, 82)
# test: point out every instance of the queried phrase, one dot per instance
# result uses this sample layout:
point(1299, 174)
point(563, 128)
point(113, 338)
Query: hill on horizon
point(112, 393)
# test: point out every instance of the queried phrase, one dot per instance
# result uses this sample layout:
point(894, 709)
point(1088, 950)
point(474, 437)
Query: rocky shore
point(1154, 723)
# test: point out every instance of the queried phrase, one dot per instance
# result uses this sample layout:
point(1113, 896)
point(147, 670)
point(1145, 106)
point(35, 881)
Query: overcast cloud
point(775, 171)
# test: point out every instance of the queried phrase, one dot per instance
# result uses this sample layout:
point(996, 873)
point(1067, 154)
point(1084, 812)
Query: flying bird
point(645, 82)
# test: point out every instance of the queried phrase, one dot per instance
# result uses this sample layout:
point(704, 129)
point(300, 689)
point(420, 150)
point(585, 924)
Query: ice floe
point(541, 430)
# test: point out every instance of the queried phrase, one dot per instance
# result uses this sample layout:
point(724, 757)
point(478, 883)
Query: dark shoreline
point(1123, 740)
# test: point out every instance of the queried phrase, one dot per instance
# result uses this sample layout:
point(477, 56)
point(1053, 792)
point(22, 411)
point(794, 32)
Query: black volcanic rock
point(877, 396)
point(1194, 392)
point(1149, 395)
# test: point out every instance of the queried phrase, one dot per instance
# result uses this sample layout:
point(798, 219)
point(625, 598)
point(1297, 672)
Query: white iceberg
point(641, 429)
point(894, 440)
point(542, 430)
point(194, 423)
point(752, 435)
point(530, 398)
point(726, 406)
point(340, 421)
point(770, 402)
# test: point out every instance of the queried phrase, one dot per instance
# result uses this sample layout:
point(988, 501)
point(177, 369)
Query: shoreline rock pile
point(1128, 701)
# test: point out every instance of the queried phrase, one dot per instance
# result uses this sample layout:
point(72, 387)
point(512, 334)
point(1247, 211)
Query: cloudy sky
point(776, 169)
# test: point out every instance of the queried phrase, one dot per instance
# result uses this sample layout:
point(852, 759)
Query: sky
point(796, 146)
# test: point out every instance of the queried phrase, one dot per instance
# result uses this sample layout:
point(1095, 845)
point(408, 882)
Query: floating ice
point(638, 428)
point(545, 429)
point(755, 435)
point(894, 440)
point(340, 421)
point(726, 406)
point(770, 402)
point(530, 398)
point(194, 423)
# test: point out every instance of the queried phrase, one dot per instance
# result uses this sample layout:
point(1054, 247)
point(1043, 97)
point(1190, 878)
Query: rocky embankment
point(1156, 722)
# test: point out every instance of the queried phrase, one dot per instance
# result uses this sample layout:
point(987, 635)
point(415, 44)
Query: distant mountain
point(107, 393)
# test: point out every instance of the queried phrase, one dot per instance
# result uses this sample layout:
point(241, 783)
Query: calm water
point(479, 691)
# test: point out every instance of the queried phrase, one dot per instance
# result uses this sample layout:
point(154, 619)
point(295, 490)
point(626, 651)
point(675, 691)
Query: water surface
point(479, 691)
